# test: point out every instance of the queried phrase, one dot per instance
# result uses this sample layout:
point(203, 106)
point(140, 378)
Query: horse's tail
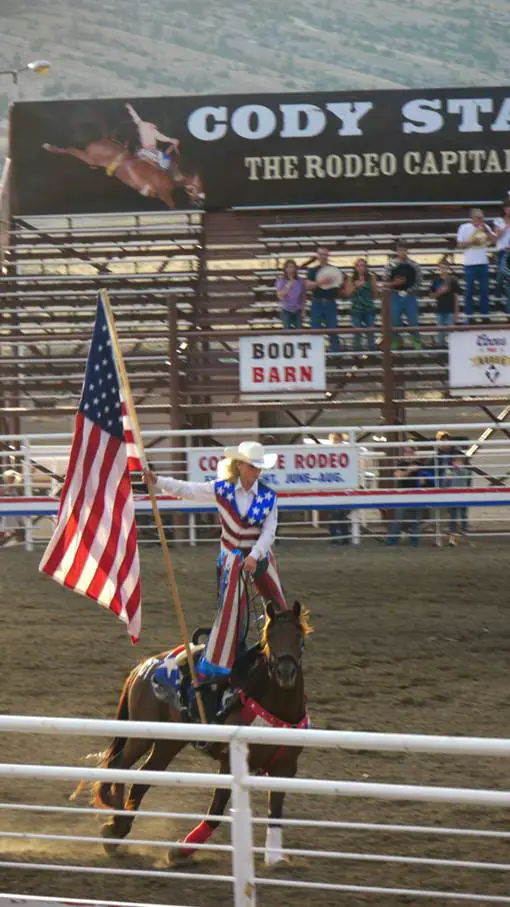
point(110, 756)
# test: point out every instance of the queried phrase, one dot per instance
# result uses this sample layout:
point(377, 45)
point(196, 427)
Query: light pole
point(40, 67)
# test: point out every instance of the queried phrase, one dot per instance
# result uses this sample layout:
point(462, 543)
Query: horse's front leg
point(160, 756)
point(203, 831)
point(273, 853)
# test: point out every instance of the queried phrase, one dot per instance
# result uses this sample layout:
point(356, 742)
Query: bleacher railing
point(219, 282)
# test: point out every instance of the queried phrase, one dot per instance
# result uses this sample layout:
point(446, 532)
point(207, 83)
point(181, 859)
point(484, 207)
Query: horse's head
point(284, 641)
point(194, 188)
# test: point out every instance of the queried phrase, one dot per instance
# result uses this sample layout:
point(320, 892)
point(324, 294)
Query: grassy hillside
point(101, 48)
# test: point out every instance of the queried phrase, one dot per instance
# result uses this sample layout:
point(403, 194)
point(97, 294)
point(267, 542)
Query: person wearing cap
point(402, 276)
point(474, 238)
point(248, 520)
point(446, 453)
point(11, 484)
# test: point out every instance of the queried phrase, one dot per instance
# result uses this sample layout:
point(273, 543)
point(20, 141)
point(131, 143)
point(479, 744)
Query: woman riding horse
point(248, 519)
point(273, 694)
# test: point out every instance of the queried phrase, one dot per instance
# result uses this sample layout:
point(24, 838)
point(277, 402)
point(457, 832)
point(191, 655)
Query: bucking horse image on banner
point(152, 171)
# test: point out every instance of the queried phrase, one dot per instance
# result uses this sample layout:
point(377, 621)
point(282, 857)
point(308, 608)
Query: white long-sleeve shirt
point(204, 493)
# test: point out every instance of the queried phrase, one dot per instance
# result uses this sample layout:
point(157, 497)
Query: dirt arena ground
point(405, 640)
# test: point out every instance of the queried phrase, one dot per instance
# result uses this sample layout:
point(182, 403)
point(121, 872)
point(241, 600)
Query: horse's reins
point(251, 611)
point(251, 608)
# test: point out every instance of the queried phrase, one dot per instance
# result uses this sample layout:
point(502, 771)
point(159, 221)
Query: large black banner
point(272, 149)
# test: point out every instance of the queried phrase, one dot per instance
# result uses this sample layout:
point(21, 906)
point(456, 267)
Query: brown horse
point(139, 174)
point(274, 683)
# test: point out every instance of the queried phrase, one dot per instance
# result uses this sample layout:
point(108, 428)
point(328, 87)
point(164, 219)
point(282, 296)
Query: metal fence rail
point(470, 504)
point(243, 876)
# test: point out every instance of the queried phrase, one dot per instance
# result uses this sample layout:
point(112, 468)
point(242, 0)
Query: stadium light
point(40, 67)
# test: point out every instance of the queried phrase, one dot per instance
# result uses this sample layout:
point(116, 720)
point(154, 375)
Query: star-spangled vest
point(237, 531)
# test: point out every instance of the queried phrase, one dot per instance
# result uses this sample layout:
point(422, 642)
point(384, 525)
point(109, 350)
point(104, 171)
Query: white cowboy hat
point(14, 475)
point(253, 453)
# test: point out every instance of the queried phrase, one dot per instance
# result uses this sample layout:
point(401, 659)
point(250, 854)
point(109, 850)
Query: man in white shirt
point(248, 518)
point(474, 238)
point(501, 227)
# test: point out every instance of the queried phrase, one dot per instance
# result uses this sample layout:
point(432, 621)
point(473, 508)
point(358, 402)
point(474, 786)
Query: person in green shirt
point(361, 289)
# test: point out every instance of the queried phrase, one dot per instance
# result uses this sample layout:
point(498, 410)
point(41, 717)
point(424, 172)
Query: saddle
point(172, 684)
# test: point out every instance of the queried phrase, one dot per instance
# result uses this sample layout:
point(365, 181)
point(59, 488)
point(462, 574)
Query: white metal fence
point(244, 874)
point(440, 505)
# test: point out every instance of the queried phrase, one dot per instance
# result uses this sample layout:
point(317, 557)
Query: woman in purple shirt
point(290, 290)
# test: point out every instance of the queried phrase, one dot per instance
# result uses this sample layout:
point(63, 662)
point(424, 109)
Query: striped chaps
point(230, 625)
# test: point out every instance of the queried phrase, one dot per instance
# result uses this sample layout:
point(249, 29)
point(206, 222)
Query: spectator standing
point(505, 279)
point(407, 475)
point(446, 453)
point(457, 476)
point(290, 290)
point(361, 289)
point(474, 238)
point(445, 288)
point(324, 295)
point(403, 277)
point(11, 486)
point(501, 227)
point(339, 520)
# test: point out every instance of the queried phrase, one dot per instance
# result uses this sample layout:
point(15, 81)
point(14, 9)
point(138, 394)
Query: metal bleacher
point(184, 285)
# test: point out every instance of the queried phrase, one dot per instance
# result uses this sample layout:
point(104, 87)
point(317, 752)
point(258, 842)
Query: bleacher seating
point(216, 271)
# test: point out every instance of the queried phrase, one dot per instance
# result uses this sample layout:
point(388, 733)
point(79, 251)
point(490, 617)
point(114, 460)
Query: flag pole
point(169, 567)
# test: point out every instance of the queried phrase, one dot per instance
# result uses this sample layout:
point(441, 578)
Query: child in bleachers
point(446, 289)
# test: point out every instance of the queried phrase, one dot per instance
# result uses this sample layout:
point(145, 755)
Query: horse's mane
point(303, 623)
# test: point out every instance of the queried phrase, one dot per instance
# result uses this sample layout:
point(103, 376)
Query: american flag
point(94, 549)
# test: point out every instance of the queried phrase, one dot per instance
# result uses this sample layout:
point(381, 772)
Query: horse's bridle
point(273, 661)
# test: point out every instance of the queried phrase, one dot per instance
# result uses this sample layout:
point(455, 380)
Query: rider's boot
point(208, 673)
point(212, 684)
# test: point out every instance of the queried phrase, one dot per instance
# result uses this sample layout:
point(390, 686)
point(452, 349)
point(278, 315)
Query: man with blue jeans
point(403, 277)
point(505, 278)
point(474, 237)
point(323, 312)
point(406, 475)
point(501, 231)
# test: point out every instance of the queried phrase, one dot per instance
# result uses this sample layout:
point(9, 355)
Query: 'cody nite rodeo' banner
point(306, 467)
point(221, 151)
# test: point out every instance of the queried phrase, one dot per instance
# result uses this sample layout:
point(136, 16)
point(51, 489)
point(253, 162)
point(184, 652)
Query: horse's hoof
point(276, 865)
point(177, 856)
point(108, 831)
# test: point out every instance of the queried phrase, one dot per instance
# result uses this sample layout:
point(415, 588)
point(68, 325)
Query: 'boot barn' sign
point(288, 364)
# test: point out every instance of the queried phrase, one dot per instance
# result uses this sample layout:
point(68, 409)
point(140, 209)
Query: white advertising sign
point(320, 467)
point(273, 364)
point(479, 362)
